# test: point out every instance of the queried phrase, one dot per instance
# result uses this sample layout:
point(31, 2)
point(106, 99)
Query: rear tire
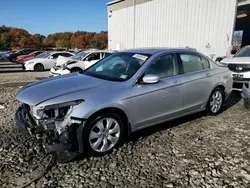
point(103, 133)
point(38, 67)
point(215, 102)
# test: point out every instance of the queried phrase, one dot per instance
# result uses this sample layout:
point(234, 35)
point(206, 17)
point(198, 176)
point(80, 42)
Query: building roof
point(113, 2)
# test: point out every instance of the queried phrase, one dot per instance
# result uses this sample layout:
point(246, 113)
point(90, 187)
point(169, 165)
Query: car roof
point(98, 51)
point(152, 51)
point(55, 52)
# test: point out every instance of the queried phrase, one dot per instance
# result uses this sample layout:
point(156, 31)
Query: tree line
point(12, 38)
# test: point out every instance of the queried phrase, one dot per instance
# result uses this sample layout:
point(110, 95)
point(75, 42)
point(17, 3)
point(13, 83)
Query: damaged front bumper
point(70, 140)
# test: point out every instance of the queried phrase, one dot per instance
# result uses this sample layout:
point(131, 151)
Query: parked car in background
point(6, 53)
point(3, 58)
point(239, 65)
point(22, 58)
point(95, 111)
point(232, 53)
point(78, 62)
point(12, 56)
point(44, 61)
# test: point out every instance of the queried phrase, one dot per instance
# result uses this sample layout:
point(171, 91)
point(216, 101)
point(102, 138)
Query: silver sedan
point(93, 112)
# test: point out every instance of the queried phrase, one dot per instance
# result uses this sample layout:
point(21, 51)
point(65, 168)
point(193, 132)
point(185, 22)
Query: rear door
point(197, 76)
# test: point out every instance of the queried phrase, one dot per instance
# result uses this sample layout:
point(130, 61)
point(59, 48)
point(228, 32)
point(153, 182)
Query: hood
point(237, 60)
point(61, 60)
point(49, 88)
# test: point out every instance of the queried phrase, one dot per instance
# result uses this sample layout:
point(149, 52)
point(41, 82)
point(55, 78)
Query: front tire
point(103, 134)
point(38, 67)
point(215, 102)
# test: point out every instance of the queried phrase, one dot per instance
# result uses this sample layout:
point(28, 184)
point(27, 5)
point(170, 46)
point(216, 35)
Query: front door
point(153, 103)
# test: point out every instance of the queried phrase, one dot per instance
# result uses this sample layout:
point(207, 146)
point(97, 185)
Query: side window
point(28, 51)
point(93, 57)
point(37, 53)
point(191, 63)
point(107, 54)
point(55, 56)
point(22, 52)
point(165, 66)
point(66, 54)
point(205, 63)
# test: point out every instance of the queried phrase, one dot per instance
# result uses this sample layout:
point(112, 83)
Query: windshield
point(118, 67)
point(244, 52)
point(79, 55)
point(43, 55)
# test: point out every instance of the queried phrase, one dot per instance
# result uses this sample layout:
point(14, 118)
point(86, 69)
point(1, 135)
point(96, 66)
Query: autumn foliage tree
point(14, 38)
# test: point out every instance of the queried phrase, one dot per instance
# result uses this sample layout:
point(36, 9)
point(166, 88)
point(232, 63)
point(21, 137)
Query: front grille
point(239, 67)
point(241, 79)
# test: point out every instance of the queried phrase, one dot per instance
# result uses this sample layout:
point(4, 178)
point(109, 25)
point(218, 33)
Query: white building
point(206, 25)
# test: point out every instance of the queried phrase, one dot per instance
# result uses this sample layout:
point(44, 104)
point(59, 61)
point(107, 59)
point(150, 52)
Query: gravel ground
point(195, 151)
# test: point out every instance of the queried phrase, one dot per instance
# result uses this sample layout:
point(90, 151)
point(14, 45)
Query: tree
point(16, 38)
point(5, 41)
point(100, 40)
point(49, 41)
point(59, 43)
point(38, 40)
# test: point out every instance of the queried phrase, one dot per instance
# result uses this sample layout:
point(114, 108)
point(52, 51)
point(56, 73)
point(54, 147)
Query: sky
point(50, 16)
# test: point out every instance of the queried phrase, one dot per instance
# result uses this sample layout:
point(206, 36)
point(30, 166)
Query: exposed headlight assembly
point(56, 111)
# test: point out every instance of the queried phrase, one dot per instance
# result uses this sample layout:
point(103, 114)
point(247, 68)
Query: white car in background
point(239, 65)
point(44, 61)
point(78, 62)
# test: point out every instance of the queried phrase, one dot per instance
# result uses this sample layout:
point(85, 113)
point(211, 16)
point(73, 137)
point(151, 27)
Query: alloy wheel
point(104, 135)
point(216, 101)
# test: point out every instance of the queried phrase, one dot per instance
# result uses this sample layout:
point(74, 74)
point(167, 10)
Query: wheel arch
point(37, 63)
point(221, 86)
point(117, 111)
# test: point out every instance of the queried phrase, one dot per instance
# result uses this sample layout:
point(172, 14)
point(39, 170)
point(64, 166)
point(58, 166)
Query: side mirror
point(50, 57)
point(150, 79)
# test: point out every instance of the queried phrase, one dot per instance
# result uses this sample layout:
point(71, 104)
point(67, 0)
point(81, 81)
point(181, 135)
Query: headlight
point(55, 111)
